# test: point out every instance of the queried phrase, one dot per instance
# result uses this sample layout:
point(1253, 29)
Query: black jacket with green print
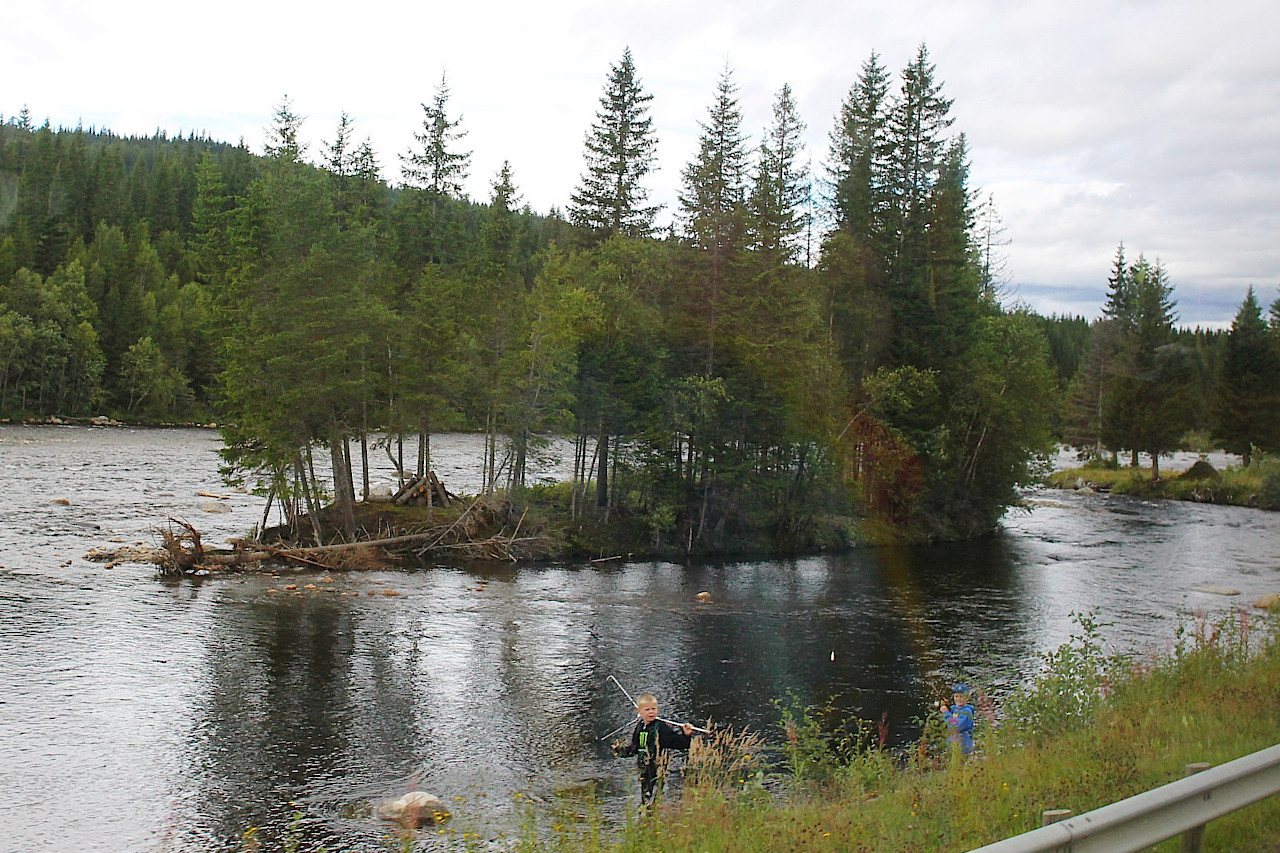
point(648, 740)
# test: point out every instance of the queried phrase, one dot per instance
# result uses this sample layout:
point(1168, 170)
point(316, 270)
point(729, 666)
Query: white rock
point(417, 806)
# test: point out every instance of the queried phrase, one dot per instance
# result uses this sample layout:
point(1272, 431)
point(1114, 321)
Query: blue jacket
point(960, 719)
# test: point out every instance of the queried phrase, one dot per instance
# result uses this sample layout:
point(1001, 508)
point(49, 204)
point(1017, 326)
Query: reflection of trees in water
point(277, 711)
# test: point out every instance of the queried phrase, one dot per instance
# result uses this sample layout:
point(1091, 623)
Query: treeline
point(1133, 382)
point(794, 347)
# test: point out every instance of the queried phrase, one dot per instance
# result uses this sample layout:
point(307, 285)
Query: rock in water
point(1216, 590)
point(415, 809)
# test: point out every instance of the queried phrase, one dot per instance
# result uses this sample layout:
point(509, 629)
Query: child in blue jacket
point(959, 718)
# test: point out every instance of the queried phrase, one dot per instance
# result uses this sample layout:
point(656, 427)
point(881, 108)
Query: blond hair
point(645, 698)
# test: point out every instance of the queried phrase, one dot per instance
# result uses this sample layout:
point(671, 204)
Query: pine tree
point(283, 142)
point(1119, 303)
point(436, 165)
point(1148, 402)
point(855, 167)
point(1247, 407)
point(610, 197)
point(916, 145)
point(714, 190)
point(713, 206)
point(780, 189)
point(917, 151)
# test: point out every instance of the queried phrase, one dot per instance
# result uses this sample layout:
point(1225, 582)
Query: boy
point(649, 740)
point(959, 717)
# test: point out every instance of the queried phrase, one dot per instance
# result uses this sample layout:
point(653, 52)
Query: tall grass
point(1093, 729)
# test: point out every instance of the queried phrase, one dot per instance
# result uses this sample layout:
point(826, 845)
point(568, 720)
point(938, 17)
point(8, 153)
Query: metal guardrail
point(1180, 807)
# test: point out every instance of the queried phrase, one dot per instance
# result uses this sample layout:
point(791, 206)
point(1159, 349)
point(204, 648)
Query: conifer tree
point(855, 166)
point(436, 165)
point(283, 142)
point(713, 207)
point(437, 169)
point(780, 188)
point(1247, 407)
point(1148, 406)
point(610, 196)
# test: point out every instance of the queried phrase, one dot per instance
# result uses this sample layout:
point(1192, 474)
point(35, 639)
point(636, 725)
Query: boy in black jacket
point(650, 739)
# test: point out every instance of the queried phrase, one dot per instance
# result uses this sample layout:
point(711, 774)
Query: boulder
point(703, 597)
point(415, 809)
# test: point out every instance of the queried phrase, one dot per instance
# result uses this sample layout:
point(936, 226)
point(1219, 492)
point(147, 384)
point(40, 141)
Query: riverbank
point(1093, 730)
point(1256, 486)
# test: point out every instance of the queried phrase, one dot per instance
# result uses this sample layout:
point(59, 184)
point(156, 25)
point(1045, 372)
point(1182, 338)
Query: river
point(146, 715)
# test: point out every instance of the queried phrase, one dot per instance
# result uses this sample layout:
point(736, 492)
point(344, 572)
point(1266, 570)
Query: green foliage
point(1269, 489)
point(1073, 682)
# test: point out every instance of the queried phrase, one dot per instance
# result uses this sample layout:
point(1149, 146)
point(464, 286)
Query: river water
point(141, 715)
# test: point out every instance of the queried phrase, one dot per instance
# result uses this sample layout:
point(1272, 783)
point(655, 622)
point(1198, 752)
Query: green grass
point(1094, 730)
point(1255, 486)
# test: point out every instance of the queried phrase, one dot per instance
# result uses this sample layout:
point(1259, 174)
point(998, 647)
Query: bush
point(1269, 493)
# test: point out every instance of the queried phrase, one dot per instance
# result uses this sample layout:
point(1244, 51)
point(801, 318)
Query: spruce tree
point(283, 142)
point(780, 188)
point(713, 208)
point(855, 166)
point(610, 196)
point(1247, 407)
point(436, 165)
point(1148, 402)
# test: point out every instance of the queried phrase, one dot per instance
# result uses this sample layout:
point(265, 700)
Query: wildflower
point(1005, 786)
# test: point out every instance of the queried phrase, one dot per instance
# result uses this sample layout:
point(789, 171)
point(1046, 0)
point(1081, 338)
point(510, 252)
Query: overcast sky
point(1089, 122)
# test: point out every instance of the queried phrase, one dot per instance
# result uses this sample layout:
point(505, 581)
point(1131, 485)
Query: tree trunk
point(602, 471)
point(342, 490)
point(364, 451)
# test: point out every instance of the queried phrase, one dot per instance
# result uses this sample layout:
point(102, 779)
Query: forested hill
point(748, 369)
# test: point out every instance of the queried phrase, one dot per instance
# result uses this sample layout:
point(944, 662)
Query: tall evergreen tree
point(916, 154)
point(855, 165)
point(1247, 407)
point(1148, 405)
point(283, 141)
point(610, 196)
point(713, 208)
point(436, 165)
point(780, 189)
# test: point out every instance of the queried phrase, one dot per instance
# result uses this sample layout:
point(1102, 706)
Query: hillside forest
point(799, 344)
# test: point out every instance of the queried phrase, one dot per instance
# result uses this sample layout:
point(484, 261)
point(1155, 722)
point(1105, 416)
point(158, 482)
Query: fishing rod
point(661, 719)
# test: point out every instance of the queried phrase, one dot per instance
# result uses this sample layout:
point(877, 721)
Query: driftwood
point(420, 490)
point(465, 536)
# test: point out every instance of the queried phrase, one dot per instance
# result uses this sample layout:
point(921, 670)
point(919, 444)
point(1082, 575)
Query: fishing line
point(662, 719)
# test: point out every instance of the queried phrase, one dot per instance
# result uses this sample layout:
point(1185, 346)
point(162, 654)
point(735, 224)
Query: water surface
point(177, 714)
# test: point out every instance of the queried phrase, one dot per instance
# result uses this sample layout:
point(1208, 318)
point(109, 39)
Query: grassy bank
point(1255, 486)
point(1093, 730)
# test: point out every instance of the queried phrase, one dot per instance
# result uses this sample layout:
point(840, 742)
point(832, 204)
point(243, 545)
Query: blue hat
point(960, 688)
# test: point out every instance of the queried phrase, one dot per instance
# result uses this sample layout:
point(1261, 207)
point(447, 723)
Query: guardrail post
point(1054, 815)
point(1193, 839)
